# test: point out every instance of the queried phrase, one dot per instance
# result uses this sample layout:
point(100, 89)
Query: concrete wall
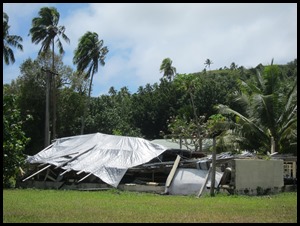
point(255, 176)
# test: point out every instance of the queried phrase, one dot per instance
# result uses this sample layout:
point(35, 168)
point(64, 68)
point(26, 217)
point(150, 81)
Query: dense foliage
point(260, 104)
point(150, 112)
point(14, 139)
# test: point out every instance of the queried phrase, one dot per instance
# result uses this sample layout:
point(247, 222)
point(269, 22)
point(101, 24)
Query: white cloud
point(140, 35)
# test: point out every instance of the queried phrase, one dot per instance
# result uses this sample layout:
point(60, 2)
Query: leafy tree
point(30, 88)
point(184, 131)
point(167, 68)
point(153, 106)
point(9, 41)
point(213, 89)
point(14, 139)
point(267, 111)
point(70, 109)
point(45, 29)
point(188, 84)
point(88, 54)
point(112, 114)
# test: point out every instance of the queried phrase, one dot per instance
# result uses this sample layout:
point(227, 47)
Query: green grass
point(59, 206)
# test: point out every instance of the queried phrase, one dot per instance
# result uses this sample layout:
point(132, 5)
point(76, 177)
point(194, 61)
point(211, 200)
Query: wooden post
point(294, 170)
point(213, 175)
point(172, 173)
point(272, 145)
point(205, 181)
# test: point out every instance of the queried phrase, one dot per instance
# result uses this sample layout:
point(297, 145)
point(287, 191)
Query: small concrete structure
point(256, 176)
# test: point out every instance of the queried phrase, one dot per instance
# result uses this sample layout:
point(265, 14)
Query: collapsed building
point(101, 161)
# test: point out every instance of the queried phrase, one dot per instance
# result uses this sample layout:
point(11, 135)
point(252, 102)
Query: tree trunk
point(213, 172)
point(53, 94)
point(87, 103)
point(47, 140)
point(198, 124)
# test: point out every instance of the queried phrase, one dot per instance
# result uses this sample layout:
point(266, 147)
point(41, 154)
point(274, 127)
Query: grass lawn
point(62, 206)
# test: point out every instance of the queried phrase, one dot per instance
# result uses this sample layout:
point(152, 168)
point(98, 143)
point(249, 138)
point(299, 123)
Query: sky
point(140, 35)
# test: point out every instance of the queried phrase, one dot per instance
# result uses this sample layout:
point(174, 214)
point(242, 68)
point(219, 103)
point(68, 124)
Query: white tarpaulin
point(106, 156)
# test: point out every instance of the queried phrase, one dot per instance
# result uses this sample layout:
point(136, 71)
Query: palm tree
point(9, 40)
point(207, 63)
point(88, 54)
point(45, 29)
point(167, 68)
point(233, 66)
point(267, 114)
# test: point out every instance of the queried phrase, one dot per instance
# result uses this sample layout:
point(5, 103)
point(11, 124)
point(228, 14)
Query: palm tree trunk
point(87, 103)
point(47, 110)
point(54, 95)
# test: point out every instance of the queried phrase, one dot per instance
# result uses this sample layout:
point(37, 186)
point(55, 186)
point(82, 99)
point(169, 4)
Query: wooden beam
point(84, 177)
point(172, 173)
point(64, 163)
point(46, 174)
point(36, 173)
point(68, 170)
point(79, 172)
point(205, 181)
point(294, 169)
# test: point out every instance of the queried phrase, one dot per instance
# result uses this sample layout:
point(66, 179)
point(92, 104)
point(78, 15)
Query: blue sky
point(140, 35)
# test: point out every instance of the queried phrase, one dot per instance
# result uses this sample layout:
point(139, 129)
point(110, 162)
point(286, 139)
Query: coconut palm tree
point(45, 29)
point(87, 56)
point(167, 68)
point(9, 41)
point(207, 63)
point(267, 113)
point(233, 66)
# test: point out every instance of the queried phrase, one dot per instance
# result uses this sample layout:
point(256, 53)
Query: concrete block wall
point(256, 176)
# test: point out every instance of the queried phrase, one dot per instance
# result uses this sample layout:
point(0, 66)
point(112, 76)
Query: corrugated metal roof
point(171, 144)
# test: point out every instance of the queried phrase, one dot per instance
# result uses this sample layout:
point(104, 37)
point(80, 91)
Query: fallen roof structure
point(107, 157)
point(101, 161)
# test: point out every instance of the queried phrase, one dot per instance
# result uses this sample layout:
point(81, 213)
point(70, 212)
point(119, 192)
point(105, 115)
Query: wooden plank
point(294, 170)
point(68, 170)
point(172, 173)
point(79, 172)
point(64, 163)
point(205, 182)
point(36, 173)
point(46, 174)
point(84, 177)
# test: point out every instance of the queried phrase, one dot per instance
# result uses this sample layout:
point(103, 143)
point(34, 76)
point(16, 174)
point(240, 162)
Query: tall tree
point(167, 68)
point(30, 88)
point(233, 66)
point(88, 54)
point(45, 29)
point(9, 41)
point(207, 63)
